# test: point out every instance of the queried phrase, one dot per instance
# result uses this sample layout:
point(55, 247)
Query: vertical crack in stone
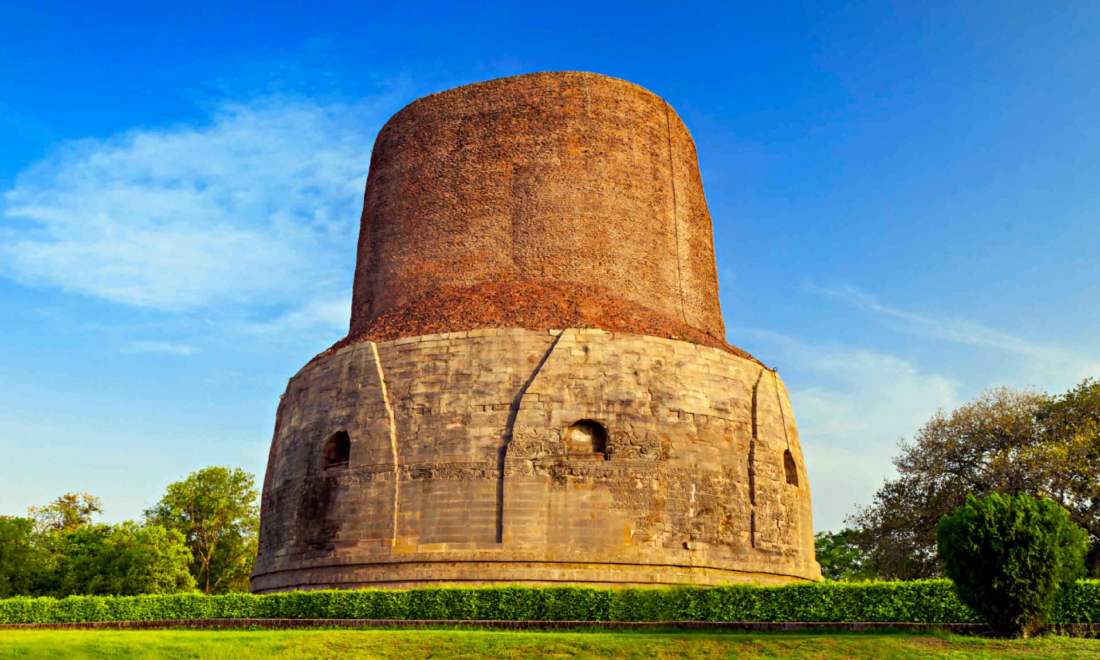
point(782, 415)
point(393, 438)
point(675, 212)
point(509, 429)
point(752, 459)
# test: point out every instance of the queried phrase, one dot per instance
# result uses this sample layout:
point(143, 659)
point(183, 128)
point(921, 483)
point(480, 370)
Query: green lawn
point(474, 644)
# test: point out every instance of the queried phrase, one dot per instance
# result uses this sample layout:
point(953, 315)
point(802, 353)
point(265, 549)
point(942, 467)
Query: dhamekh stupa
point(536, 386)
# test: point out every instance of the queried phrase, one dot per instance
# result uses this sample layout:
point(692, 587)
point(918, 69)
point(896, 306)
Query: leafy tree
point(148, 559)
point(216, 511)
point(78, 552)
point(1005, 441)
point(61, 552)
point(125, 559)
point(993, 444)
point(1070, 424)
point(23, 565)
point(66, 513)
point(1008, 556)
point(840, 557)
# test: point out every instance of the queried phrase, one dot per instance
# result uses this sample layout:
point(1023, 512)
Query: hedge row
point(928, 601)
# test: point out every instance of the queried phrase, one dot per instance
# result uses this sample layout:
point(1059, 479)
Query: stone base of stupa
point(537, 457)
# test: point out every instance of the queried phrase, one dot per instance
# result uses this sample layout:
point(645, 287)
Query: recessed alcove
point(586, 437)
point(789, 467)
point(337, 450)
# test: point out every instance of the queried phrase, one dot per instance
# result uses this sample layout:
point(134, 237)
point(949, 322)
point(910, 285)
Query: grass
point(481, 643)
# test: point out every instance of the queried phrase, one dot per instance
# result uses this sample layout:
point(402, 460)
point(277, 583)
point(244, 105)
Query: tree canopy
point(125, 559)
point(840, 557)
point(216, 510)
point(66, 513)
point(22, 564)
point(203, 531)
point(1005, 441)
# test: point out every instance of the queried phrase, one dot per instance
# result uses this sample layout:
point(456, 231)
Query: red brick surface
point(529, 304)
point(581, 180)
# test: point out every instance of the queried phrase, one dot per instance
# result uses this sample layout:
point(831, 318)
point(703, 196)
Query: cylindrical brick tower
point(536, 386)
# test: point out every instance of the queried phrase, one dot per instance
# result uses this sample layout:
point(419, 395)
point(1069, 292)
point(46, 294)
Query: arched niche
point(789, 468)
point(337, 451)
point(586, 437)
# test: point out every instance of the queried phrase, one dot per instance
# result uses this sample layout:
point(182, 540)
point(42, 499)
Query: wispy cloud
point(853, 405)
point(324, 315)
point(257, 208)
point(1051, 361)
point(168, 347)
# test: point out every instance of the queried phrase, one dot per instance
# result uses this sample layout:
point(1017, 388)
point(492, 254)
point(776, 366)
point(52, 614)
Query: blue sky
point(905, 203)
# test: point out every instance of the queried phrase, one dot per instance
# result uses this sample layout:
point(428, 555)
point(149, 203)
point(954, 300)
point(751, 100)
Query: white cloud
point(1043, 364)
point(169, 347)
point(259, 206)
point(853, 405)
point(323, 315)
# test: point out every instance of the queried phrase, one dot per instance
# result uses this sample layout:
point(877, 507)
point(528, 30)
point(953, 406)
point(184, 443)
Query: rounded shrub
point(1009, 555)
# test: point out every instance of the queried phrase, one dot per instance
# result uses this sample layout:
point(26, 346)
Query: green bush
point(926, 601)
point(1009, 556)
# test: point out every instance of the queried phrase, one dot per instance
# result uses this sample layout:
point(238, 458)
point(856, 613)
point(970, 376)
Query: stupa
point(536, 386)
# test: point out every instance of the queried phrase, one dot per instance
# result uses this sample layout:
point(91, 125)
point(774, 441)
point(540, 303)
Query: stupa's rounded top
point(545, 76)
point(545, 200)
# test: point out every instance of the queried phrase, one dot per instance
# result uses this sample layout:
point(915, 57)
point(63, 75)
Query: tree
point(1005, 441)
point(1070, 424)
point(125, 559)
point(61, 552)
point(149, 559)
point(22, 563)
point(982, 447)
point(66, 513)
point(1009, 555)
point(216, 511)
point(77, 552)
point(840, 557)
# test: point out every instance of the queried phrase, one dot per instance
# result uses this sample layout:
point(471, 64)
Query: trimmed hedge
point(923, 601)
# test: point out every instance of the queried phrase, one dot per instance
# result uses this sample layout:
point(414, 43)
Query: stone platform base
point(483, 573)
point(499, 456)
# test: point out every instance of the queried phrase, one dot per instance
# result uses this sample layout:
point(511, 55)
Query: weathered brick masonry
point(566, 178)
point(524, 443)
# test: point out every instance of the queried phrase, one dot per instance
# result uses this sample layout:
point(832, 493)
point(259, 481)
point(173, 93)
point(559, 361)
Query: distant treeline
point(200, 535)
